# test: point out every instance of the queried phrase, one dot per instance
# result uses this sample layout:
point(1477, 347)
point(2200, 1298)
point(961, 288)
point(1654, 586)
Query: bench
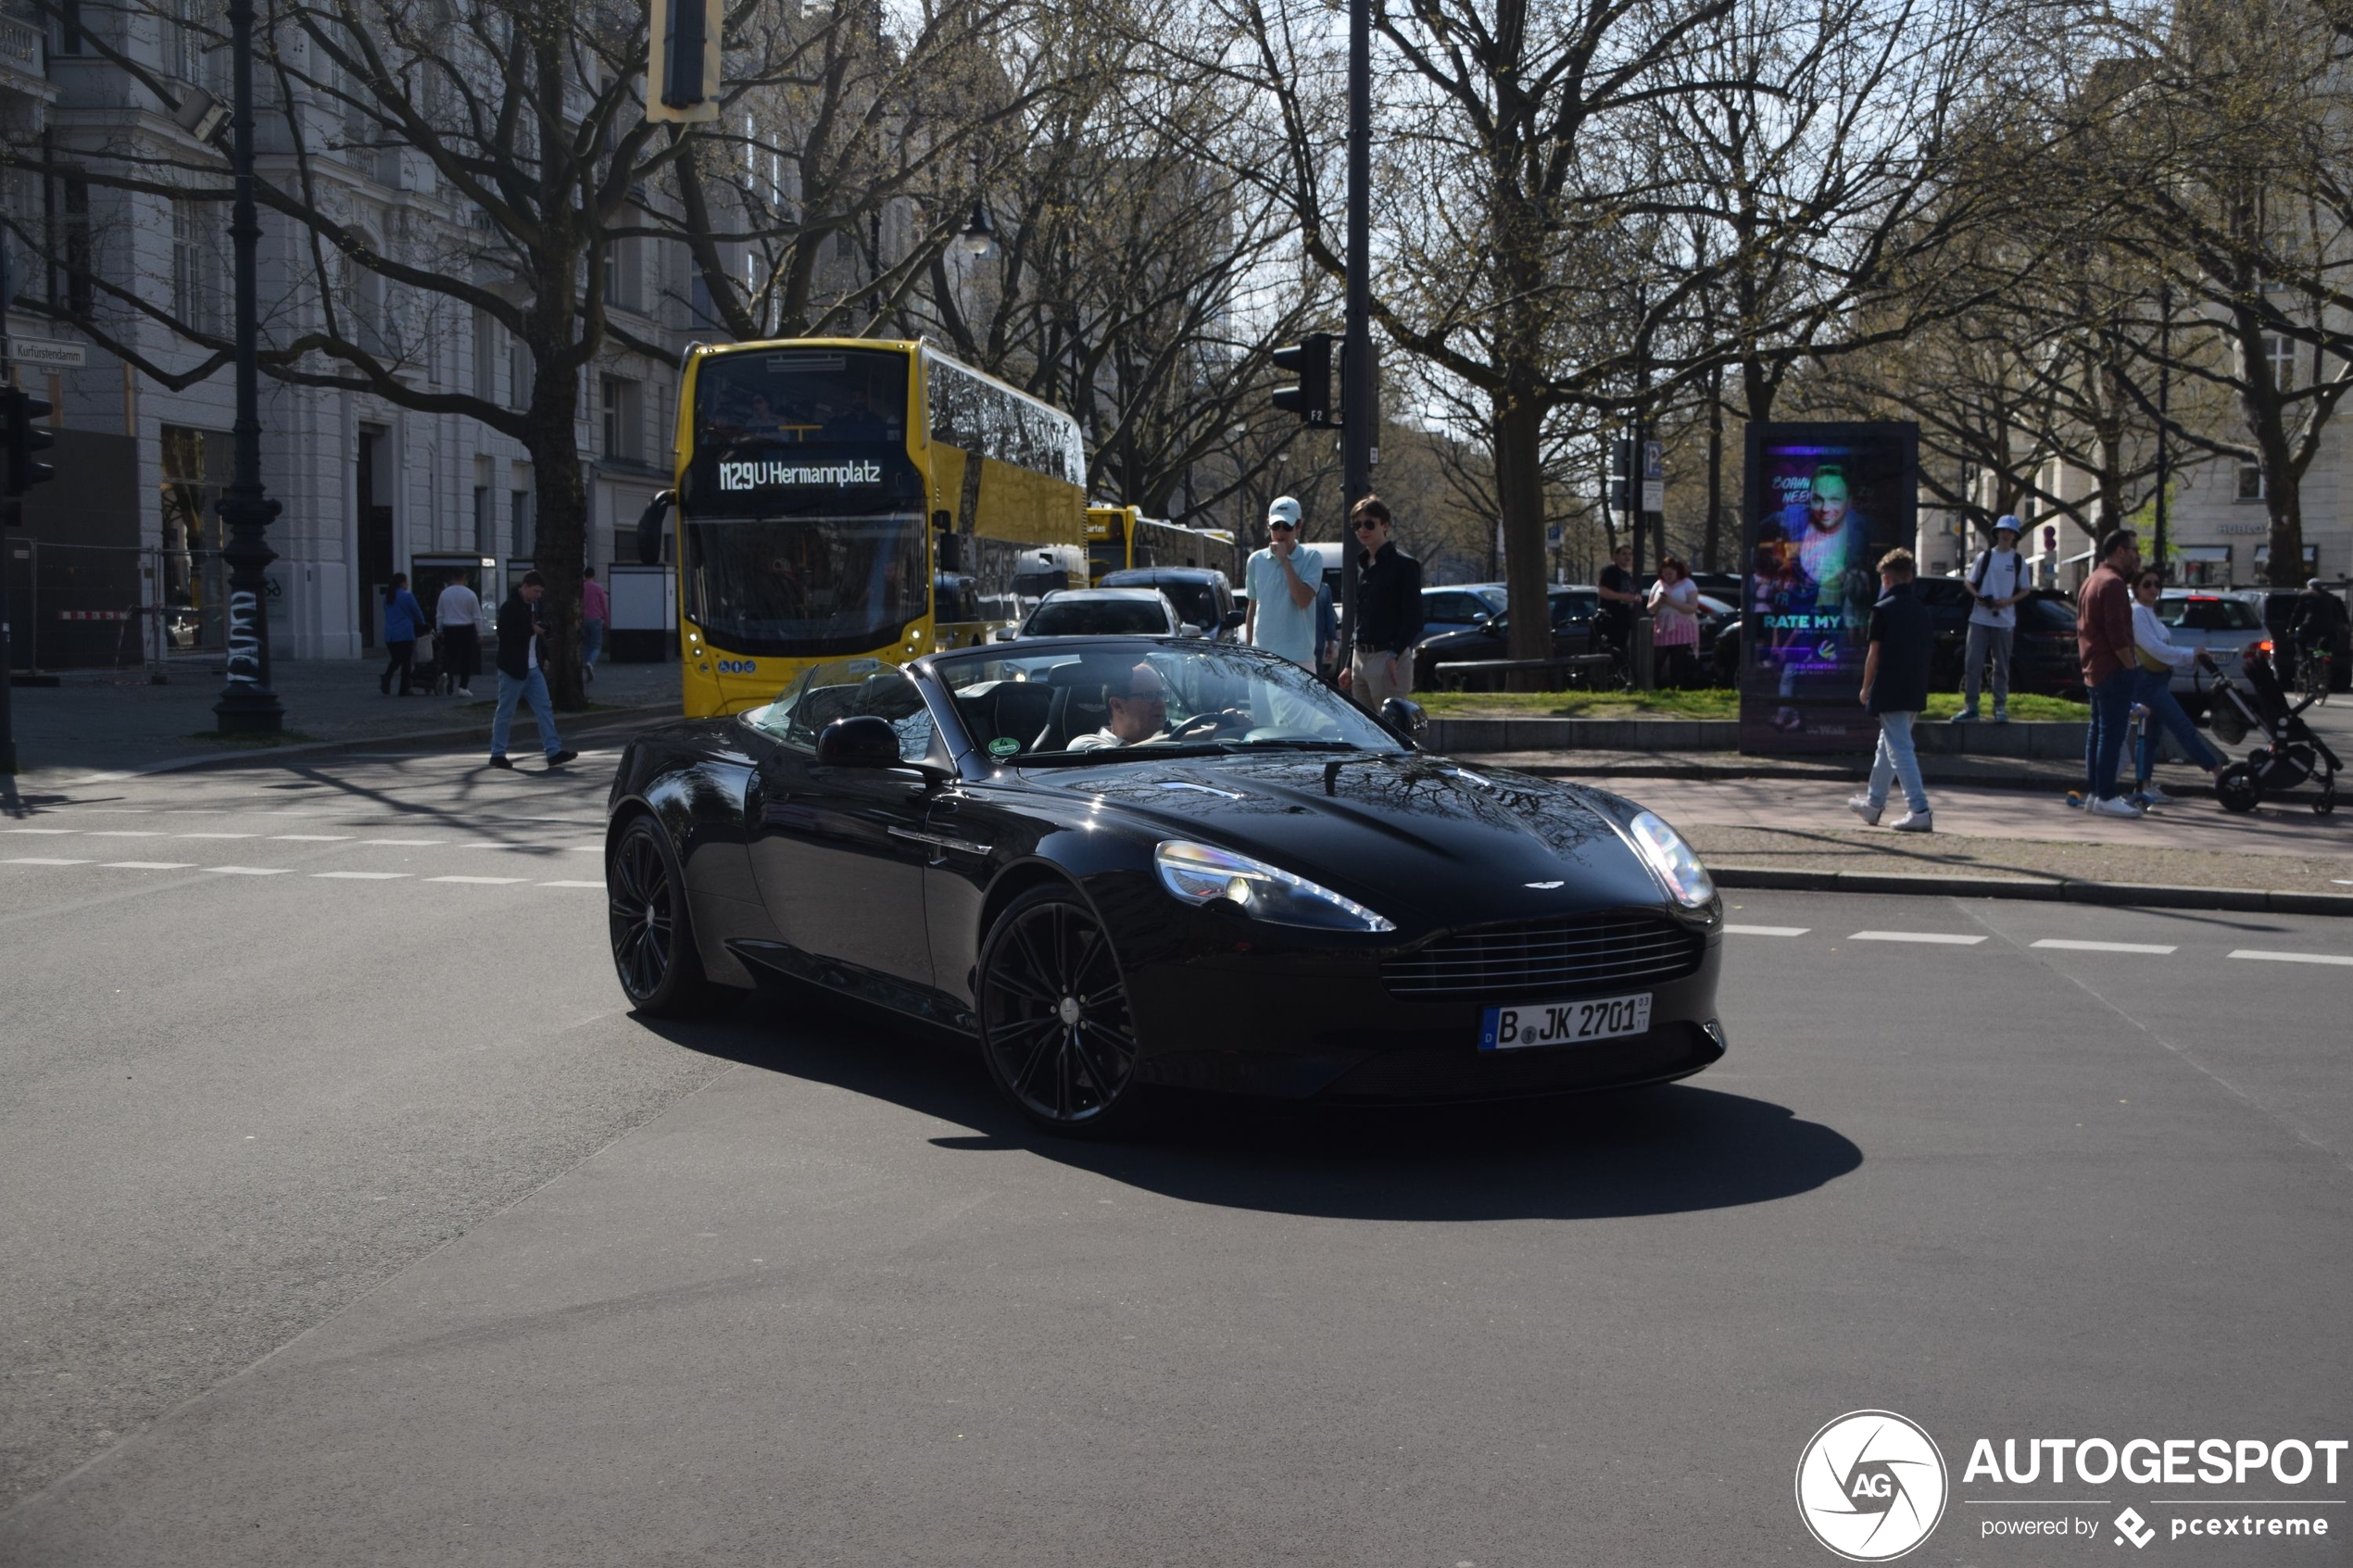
point(1526, 674)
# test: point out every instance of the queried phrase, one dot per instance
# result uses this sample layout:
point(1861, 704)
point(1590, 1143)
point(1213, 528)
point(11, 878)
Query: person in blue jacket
point(404, 622)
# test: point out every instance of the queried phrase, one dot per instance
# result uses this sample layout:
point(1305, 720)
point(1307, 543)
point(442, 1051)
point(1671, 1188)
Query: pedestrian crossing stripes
point(1768, 930)
point(2068, 945)
point(2260, 954)
point(1932, 938)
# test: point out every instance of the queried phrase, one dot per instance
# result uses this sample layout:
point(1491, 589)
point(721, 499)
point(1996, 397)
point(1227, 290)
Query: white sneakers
point(1918, 821)
point(2154, 796)
point(1861, 806)
point(2114, 806)
point(1914, 821)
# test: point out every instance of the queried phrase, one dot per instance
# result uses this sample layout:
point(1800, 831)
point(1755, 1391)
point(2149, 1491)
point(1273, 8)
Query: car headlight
point(1672, 860)
point(1200, 873)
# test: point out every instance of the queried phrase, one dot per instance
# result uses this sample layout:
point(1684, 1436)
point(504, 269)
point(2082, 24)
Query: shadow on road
point(1670, 1150)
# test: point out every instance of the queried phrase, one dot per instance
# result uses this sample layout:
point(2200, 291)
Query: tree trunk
point(560, 544)
point(1712, 539)
point(1519, 486)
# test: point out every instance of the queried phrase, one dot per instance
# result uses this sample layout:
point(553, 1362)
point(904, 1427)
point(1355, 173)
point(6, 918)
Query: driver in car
point(1137, 714)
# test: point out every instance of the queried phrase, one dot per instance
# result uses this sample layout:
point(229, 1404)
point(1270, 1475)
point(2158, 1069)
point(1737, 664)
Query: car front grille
point(1550, 956)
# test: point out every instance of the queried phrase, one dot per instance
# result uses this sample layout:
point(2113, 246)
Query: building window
point(526, 522)
point(623, 283)
point(80, 267)
point(2250, 482)
point(2278, 354)
point(195, 274)
point(625, 418)
point(519, 373)
point(68, 34)
point(485, 520)
point(485, 356)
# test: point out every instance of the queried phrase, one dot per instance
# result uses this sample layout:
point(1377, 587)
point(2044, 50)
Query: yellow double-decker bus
point(1121, 538)
point(830, 490)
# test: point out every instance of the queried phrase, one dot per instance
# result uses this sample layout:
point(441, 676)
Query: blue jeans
point(534, 687)
point(1896, 759)
point(2154, 691)
point(592, 642)
point(2104, 739)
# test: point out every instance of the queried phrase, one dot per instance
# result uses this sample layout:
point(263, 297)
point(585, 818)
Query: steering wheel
point(1202, 726)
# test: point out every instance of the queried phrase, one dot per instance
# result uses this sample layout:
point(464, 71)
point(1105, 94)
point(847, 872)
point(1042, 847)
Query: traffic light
point(1621, 470)
point(27, 435)
point(682, 60)
point(1310, 360)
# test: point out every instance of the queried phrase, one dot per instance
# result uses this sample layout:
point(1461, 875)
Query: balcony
point(21, 48)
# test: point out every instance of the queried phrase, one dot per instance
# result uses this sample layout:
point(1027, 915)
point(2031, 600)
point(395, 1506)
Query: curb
point(2139, 894)
point(412, 740)
point(1705, 771)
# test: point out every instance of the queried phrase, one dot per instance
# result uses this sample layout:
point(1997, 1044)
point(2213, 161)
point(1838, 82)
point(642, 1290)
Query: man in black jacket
point(1389, 610)
point(522, 654)
point(1895, 688)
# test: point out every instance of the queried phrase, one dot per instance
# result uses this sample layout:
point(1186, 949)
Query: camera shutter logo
point(1871, 1486)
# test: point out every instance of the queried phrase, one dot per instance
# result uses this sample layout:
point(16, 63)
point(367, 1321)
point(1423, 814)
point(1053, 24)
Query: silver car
point(1102, 613)
point(2223, 622)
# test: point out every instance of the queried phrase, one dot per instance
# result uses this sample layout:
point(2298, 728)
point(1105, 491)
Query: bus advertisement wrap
point(1823, 503)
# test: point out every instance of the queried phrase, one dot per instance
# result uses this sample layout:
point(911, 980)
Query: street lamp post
point(2164, 396)
point(1360, 418)
point(247, 705)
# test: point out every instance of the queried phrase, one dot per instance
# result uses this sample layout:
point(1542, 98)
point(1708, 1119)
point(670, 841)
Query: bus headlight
point(1200, 873)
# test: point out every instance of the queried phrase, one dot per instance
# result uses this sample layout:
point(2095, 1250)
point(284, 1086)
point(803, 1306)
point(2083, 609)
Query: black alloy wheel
point(1054, 1025)
point(653, 941)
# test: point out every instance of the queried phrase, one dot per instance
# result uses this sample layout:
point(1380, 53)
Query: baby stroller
point(2294, 754)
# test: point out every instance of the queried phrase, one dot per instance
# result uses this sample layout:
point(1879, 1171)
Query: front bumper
point(1309, 1023)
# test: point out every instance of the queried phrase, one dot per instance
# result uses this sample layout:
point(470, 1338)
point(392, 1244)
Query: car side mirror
point(1483, 617)
point(1405, 716)
point(649, 528)
point(860, 742)
point(1234, 619)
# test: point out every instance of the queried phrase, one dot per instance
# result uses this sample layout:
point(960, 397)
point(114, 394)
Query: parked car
point(1573, 610)
point(1275, 894)
point(2225, 624)
point(1203, 597)
point(1102, 613)
point(1462, 605)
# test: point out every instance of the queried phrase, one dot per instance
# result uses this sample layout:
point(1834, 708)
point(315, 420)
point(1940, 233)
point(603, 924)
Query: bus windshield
point(811, 586)
point(797, 395)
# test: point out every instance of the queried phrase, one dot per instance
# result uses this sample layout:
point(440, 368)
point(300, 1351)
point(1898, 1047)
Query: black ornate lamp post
point(247, 705)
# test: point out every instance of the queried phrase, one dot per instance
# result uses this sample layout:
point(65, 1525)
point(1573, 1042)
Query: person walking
point(1895, 691)
point(521, 673)
point(2111, 664)
point(1389, 610)
point(593, 607)
point(1281, 618)
point(404, 619)
point(1674, 609)
point(2152, 692)
point(1615, 620)
point(1995, 583)
point(456, 617)
point(2312, 628)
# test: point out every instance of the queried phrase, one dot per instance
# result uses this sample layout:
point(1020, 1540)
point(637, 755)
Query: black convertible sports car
point(1126, 861)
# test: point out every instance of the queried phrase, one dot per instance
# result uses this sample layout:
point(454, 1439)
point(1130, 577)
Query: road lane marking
point(361, 876)
point(2292, 958)
point(572, 885)
point(216, 836)
point(126, 833)
point(1941, 938)
point(2073, 946)
point(249, 871)
point(417, 843)
point(586, 848)
point(44, 861)
point(147, 865)
point(41, 830)
point(483, 880)
point(309, 837)
point(1769, 930)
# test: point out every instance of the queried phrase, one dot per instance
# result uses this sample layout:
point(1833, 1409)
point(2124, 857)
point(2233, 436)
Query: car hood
point(1427, 842)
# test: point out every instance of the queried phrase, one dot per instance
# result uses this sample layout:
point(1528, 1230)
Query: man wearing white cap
point(1282, 598)
point(1996, 581)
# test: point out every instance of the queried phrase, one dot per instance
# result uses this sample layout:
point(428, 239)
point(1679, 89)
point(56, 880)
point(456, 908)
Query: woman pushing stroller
point(2152, 692)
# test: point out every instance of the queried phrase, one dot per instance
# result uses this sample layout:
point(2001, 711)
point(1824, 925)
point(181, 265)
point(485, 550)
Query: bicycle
point(2312, 675)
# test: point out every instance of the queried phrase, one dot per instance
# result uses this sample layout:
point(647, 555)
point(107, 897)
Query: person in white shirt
point(1281, 618)
point(2152, 692)
point(456, 617)
point(1996, 581)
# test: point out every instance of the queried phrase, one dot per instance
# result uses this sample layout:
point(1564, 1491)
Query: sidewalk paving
point(113, 721)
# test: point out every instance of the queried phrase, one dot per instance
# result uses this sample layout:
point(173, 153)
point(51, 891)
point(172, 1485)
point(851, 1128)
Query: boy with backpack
point(1995, 583)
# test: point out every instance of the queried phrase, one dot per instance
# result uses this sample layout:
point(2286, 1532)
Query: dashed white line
point(42, 860)
point(216, 836)
point(405, 843)
point(249, 871)
point(2292, 958)
point(482, 881)
point(572, 885)
point(147, 865)
point(126, 833)
point(1768, 930)
point(1939, 938)
point(361, 876)
point(39, 830)
point(2074, 947)
point(310, 837)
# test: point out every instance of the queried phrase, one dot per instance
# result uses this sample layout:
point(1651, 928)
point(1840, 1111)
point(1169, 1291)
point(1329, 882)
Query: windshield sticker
point(757, 476)
point(1003, 745)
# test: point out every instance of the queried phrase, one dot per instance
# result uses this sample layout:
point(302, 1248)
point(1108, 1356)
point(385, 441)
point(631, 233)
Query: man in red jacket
point(2104, 640)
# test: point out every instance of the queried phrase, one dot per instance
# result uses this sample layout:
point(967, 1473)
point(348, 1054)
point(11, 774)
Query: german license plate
point(1564, 1023)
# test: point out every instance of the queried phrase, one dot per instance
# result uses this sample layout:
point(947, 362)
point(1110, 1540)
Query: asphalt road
point(351, 1219)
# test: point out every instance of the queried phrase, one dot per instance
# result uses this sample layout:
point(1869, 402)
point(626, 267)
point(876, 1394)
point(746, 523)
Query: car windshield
point(1097, 618)
point(2209, 615)
point(1116, 699)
